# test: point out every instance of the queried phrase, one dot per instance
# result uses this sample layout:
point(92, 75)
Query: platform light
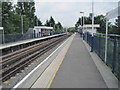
point(83, 20)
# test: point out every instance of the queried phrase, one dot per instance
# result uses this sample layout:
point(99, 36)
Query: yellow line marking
point(48, 75)
point(52, 78)
point(54, 74)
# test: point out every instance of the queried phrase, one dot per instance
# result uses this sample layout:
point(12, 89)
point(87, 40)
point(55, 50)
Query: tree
point(59, 27)
point(27, 9)
point(12, 16)
point(88, 20)
point(7, 13)
point(119, 25)
point(100, 19)
point(116, 27)
point(78, 23)
point(15, 21)
point(37, 21)
point(47, 23)
point(52, 22)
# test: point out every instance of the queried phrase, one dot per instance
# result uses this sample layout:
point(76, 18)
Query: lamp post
point(83, 20)
point(92, 16)
point(83, 24)
point(66, 30)
point(22, 23)
point(37, 21)
point(106, 40)
point(92, 25)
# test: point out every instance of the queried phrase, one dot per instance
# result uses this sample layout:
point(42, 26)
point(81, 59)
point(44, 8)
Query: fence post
point(99, 46)
point(114, 55)
point(92, 43)
point(83, 36)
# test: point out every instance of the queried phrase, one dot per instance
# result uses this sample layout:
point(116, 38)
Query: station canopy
point(90, 26)
point(113, 13)
point(1, 28)
point(44, 27)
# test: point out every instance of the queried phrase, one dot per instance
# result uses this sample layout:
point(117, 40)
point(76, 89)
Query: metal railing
point(8, 38)
point(16, 37)
point(97, 43)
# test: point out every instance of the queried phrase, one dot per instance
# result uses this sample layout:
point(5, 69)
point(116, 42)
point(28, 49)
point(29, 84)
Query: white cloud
point(61, 6)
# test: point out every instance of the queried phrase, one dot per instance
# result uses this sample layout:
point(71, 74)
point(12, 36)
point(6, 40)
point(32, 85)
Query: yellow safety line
point(53, 76)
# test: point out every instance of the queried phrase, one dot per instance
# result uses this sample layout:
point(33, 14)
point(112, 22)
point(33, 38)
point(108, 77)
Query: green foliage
point(37, 21)
point(7, 12)
point(57, 27)
point(100, 19)
point(12, 17)
point(52, 22)
point(115, 29)
point(119, 25)
point(47, 23)
point(88, 20)
point(78, 23)
point(72, 29)
point(27, 9)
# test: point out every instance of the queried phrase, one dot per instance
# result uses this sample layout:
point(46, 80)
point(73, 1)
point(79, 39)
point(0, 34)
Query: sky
point(67, 11)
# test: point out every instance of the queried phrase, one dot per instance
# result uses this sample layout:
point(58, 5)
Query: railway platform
point(15, 46)
point(72, 65)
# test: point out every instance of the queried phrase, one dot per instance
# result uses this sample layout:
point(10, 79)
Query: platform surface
point(71, 65)
point(78, 70)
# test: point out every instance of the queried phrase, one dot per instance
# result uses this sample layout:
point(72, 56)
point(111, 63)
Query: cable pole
point(92, 16)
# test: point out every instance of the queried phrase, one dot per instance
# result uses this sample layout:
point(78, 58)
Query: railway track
point(14, 62)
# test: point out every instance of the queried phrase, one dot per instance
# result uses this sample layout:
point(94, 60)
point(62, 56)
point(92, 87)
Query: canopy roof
point(113, 13)
point(43, 27)
point(90, 25)
point(1, 28)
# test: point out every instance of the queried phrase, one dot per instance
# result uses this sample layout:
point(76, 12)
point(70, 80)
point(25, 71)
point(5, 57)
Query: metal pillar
point(1, 39)
point(106, 40)
point(92, 38)
point(92, 16)
point(22, 24)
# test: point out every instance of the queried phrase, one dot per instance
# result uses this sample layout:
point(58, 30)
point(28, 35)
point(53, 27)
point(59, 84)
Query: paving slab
point(44, 81)
point(78, 70)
